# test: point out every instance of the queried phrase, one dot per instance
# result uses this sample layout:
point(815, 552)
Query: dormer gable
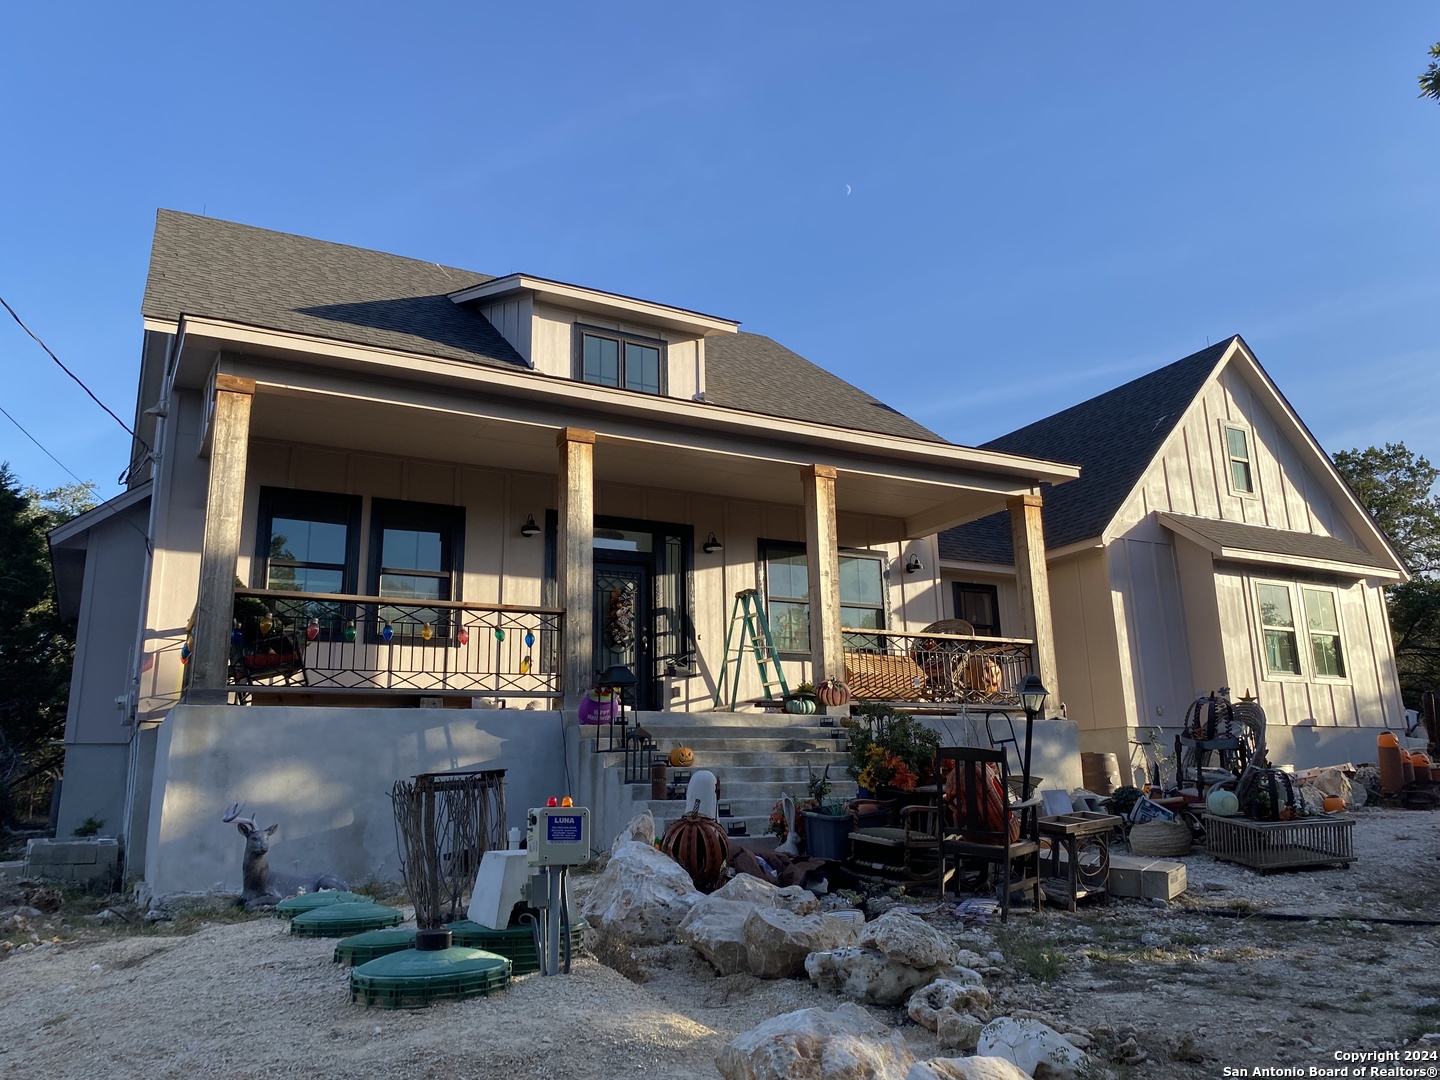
point(571, 332)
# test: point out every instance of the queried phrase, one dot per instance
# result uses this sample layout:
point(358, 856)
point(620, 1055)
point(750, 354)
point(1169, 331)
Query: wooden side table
point(1071, 833)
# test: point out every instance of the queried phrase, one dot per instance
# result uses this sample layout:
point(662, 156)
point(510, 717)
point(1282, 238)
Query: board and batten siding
point(552, 343)
point(1188, 624)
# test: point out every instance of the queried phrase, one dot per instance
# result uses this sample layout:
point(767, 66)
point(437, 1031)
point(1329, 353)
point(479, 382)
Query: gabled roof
point(1112, 437)
point(203, 267)
point(1262, 544)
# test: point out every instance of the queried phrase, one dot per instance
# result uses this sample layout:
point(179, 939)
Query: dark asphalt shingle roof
point(204, 267)
point(1112, 437)
point(1239, 536)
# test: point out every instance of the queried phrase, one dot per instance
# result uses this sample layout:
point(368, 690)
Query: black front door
point(624, 585)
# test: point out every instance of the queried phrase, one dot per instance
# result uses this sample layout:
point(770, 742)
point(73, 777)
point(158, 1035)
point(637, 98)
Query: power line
point(37, 442)
point(67, 371)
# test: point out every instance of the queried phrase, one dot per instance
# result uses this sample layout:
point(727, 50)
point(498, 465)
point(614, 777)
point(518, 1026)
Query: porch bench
point(884, 677)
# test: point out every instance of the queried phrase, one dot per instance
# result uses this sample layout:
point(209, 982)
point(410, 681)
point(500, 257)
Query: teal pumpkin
point(798, 706)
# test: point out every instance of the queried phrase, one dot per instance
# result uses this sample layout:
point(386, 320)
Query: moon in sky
point(847, 189)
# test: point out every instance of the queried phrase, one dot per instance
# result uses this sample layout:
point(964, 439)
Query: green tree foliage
point(1430, 78)
point(36, 645)
point(1398, 488)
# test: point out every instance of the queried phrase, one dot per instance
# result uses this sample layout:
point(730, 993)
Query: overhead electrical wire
point(37, 442)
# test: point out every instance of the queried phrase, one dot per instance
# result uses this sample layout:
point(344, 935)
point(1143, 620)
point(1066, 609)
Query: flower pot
point(827, 836)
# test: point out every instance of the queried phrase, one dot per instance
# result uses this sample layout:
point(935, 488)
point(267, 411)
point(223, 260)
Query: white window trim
point(1304, 647)
point(1244, 429)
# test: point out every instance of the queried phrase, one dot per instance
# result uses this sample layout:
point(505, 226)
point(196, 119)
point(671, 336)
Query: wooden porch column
point(823, 562)
point(224, 505)
point(1032, 580)
point(575, 558)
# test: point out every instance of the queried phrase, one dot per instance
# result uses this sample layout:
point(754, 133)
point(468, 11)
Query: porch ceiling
point(922, 496)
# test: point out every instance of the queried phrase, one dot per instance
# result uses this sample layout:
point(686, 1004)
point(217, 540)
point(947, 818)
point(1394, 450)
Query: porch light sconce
point(913, 565)
point(712, 545)
point(529, 528)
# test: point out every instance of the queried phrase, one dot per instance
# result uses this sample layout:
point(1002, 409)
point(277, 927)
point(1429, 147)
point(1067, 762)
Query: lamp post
point(617, 679)
point(1032, 697)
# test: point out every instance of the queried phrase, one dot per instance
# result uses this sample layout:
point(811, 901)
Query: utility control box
point(558, 835)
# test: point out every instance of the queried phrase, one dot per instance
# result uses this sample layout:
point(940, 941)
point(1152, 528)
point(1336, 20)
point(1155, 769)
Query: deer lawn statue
point(262, 887)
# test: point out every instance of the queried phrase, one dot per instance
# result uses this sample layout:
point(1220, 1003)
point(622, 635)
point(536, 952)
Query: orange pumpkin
point(833, 693)
point(698, 844)
point(682, 757)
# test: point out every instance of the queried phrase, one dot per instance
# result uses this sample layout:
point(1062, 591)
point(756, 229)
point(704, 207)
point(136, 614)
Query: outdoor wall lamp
point(712, 545)
point(529, 528)
point(913, 565)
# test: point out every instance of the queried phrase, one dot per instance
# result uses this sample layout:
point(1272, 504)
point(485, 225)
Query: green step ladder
point(749, 616)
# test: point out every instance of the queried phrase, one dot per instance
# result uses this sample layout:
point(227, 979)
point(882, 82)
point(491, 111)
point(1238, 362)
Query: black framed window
point(606, 358)
point(415, 553)
point(979, 605)
point(309, 541)
point(786, 572)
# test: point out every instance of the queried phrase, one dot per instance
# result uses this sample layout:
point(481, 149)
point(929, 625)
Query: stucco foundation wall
point(324, 774)
point(1054, 744)
point(94, 787)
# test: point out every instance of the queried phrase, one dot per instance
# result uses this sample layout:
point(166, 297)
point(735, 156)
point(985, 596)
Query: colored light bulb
point(529, 639)
point(185, 652)
point(525, 666)
point(350, 631)
point(388, 632)
point(312, 629)
point(237, 636)
point(427, 631)
point(499, 634)
point(266, 624)
point(462, 636)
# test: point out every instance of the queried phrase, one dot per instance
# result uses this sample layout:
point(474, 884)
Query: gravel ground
point(1197, 992)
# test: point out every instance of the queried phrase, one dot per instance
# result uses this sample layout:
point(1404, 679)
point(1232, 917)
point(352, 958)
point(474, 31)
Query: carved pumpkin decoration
point(833, 693)
point(682, 757)
point(698, 844)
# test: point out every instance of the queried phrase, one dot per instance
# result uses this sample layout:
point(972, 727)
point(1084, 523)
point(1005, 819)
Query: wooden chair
point(986, 831)
point(906, 853)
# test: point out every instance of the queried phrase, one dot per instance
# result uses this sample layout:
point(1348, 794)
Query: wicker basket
point(1160, 838)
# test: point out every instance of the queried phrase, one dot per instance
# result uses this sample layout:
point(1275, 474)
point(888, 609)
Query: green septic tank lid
point(414, 978)
point(342, 920)
point(517, 942)
point(362, 948)
point(296, 905)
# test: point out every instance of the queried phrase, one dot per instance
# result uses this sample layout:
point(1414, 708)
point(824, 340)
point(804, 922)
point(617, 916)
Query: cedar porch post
point(576, 559)
point(224, 506)
point(823, 562)
point(1032, 579)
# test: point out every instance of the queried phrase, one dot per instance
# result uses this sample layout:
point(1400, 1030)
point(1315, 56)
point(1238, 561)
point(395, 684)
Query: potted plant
point(801, 701)
point(890, 750)
point(827, 825)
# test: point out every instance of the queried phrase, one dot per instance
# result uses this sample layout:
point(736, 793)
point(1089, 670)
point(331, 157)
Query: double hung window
point(309, 541)
point(1237, 452)
point(1300, 627)
point(609, 359)
point(414, 557)
point(787, 594)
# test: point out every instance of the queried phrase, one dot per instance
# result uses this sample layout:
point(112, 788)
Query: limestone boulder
point(908, 939)
point(968, 1068)
point(763, 894)
point(846, 1043)
point(641, 828)
point(715, 928)
point(777, 941)
point(958, 1030)
point(642, 895)
point(928, 1003)
point(1037, 1049)
point(866, 975)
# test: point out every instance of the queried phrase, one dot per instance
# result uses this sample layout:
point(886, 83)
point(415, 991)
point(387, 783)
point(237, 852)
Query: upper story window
point(1286, 611)
point(309, 540)
point(787, 593)
point(622, 360)
point(1237, 451)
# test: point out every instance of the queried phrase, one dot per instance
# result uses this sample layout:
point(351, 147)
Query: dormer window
point(626, 361)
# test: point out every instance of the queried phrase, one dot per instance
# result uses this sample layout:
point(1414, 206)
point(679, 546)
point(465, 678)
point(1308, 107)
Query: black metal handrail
point(353, 642)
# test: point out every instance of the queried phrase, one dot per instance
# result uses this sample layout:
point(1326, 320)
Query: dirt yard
point(1212, 981)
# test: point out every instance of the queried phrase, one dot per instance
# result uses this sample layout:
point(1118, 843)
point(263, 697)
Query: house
point(1209, 542)
point(387, 517)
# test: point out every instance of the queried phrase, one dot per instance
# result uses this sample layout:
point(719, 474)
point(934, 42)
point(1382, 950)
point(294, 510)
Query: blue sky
point(1046, 200)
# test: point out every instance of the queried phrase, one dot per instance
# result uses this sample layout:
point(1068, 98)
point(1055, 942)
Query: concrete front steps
point(756, 758)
